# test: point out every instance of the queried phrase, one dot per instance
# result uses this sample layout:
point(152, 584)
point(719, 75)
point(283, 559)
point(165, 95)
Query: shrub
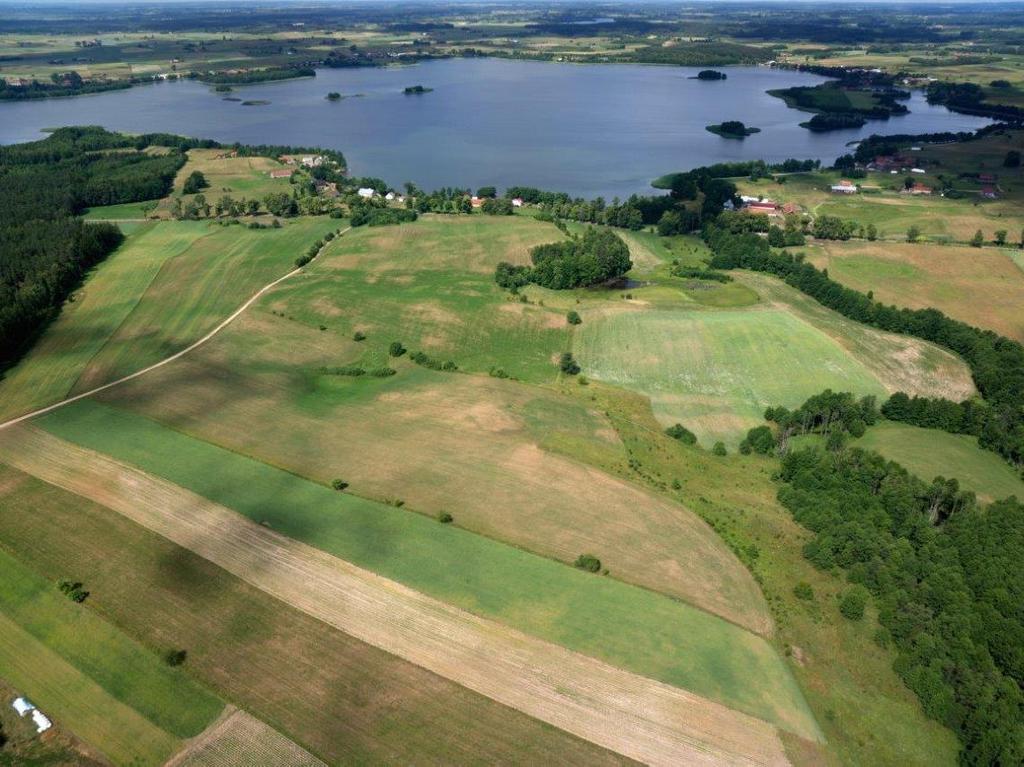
point(396, 349)
point(73, 590)
point(803, 590)
point(567, 364)
point(760, 439)
point(338, 484)
point(194, 183)
point(682, 434)
point(573, 317)
point(853, 602)
point(175, 657)
point(359, 336)
point(382, 372)
point(445, 518)
point(588, 562)
point(719, 449)
point(345, 370)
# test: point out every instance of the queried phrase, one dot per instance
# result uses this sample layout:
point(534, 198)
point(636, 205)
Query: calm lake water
point(589, 130)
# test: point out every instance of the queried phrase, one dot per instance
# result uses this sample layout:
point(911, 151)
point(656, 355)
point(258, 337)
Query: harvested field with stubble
point(980, 286)
point(241, 740)
point(342, 699)
point(634, 716)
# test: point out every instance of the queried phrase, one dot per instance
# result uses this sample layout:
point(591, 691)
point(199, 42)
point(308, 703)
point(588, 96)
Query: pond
point(586, 129)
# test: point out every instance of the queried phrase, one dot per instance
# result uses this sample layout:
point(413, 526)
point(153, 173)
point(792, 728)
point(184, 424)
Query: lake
point(598, 129)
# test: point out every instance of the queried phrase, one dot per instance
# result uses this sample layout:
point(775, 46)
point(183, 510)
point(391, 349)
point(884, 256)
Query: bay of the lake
point(597, 129)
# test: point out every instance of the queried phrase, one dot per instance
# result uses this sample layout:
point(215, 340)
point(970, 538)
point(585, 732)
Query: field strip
point(240, 740)
point(231, 318)
point(77, 703)
point(632, 715)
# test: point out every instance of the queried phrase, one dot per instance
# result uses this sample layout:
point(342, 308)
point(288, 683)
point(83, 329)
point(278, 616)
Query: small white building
point(41, 721)
point(389, 196)
point(917, 170)
point(22, 706)
point(366, 192)
point(517, 202)
point(844, 187)
point(314, 161)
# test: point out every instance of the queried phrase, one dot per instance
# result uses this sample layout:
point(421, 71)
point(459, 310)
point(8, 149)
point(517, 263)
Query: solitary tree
point(913, 234)
point(978, 239)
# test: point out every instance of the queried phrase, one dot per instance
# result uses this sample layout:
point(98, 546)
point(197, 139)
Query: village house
point(325, 188)
point(517, 202)
point(313, 161)
point(844, 187)
point(281, 173)
point(476, 202)
point(917, 188)
point(763, 207)
point(366, 193)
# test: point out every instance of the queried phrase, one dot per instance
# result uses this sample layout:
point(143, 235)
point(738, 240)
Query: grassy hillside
point(629, 627)
point(930, 453)
point(981, 286)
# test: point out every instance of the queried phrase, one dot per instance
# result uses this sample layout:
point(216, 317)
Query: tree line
point(996, 363)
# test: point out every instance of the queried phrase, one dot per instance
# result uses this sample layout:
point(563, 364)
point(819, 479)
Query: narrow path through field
point(638, 717)
point(170, 359)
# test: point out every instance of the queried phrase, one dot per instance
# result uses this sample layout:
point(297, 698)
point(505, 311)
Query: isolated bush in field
point(175, 657)
point(978, 239)
point(73, 590)
point(382, 372)
point(396, 349)
point(719, 449)
point(573, 317)
point(323, 327)
point(588, 562)
point(583, 381)
point(567, 364)
point(760, 439)
point(682, 434)
point(853, 602)
point(359, 336)
point(913, 234)
point(195, 182)
point(445, 518)
point(803, 590)
point(339, 484)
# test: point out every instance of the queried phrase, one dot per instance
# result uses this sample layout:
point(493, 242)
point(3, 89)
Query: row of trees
point(997, 363)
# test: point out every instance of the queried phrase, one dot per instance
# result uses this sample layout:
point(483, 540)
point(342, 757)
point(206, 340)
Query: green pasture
point(129, 672)
point(931, 453)
point(621, 624)
point(127, 210)
point(717, 371)
point(110, 293)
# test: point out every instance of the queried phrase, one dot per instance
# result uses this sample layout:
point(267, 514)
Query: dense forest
point(945, 576)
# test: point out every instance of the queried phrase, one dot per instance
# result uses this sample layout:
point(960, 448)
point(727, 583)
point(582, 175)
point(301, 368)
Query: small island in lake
point(333, 96)
point(827, 121)
point(255, 103)
point(416, 89)
point(732, 129)
point(710, 74)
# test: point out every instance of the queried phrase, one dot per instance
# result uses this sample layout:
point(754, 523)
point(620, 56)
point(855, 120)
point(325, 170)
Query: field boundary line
point(628, 713)
point(167, 360)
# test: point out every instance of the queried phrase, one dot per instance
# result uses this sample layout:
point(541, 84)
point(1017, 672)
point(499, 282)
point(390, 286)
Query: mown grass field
point(716, 371)
point(338, 697)
point(981, 286)
point(169, 283)
point(238, 177)
point(115, 694)
point(110, 294)
point(931, 453)
point(629, 627)
point(128, 211)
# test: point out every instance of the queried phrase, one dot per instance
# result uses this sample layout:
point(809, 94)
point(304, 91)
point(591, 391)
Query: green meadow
point(630, 627)
point(716, 371)
point(114, 693)
point(931, 453)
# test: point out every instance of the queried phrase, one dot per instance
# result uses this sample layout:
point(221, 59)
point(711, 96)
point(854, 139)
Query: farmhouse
point(844, 187)
point(366, 192)
point(313, 161)
point(517, 202)
point(281, 173)
point(918, 188)
point(765, 207)
point(476, 202)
